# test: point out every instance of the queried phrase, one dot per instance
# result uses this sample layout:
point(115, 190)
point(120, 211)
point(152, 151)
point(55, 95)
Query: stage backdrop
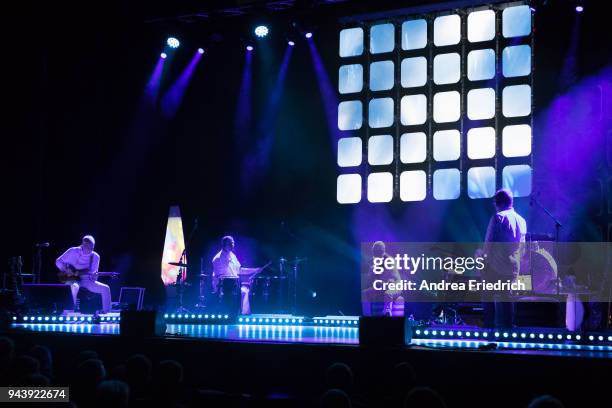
point(174, 245)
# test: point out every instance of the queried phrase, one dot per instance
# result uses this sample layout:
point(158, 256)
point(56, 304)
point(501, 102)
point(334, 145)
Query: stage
point(526, 341)
point(289, 360)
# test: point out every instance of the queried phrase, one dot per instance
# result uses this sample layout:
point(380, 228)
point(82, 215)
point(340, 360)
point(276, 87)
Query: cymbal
point(179, 264)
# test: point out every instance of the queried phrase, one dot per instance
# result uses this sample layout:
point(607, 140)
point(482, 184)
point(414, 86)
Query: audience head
point(112, 393)
point(138, 370)
point(403, 378)
point(339, 376)
point(7, 350)
point(545, 401)
point(37, 380)
point(43, 355)
point(335, 398)
point(90, 372)
point(423, 397)
point(86, 355)
point(23, 366)
point(170, 373)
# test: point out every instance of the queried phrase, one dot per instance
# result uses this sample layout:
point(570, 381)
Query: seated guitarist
point(82, 262)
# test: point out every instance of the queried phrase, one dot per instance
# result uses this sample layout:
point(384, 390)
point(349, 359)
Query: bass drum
point(542, 267)
point(267, 294)
point(229, 295)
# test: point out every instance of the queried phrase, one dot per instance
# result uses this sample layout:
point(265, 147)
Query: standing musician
point(79, 267)
point(227, 267)
point(390, 297)
point(503, 260)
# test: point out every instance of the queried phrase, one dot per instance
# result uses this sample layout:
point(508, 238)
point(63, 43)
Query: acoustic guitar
point(75, 275)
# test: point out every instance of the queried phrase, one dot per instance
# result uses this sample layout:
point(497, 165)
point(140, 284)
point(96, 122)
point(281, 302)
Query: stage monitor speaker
point(131, 298)
point(48, 298)
point(384, 331)
point(141, 323)
point(538, 314)
point(89, 302)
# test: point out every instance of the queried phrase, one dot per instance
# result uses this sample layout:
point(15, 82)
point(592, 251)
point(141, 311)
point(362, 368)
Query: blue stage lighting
point(249, 48)
point(292, 43)
point(261, 31)
point(200, 50)
point(579, 9)
point(173, 42)
point(163, 55)
point(308, 35)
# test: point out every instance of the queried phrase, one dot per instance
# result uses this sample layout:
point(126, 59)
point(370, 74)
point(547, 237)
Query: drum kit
point(270, 291)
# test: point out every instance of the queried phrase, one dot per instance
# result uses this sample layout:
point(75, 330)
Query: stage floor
point(345, 336)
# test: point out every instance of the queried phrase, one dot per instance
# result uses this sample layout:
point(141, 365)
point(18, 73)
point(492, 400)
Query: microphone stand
point(558, 226)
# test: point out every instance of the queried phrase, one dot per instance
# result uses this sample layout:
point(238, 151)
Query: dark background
point(78, 158)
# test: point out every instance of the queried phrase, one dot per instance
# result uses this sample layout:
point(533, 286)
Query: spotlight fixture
point(163, 55)
point(200, 50)
point(579, 9)
point(249, 48)
point(291, 43)
point(308, 34)
point(261, 31)
point(173, 42)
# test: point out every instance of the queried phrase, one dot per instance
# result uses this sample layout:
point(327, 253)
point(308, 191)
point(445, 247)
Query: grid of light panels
point(436, 105)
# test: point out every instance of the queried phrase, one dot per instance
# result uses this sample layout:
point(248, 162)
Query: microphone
point(42, 245)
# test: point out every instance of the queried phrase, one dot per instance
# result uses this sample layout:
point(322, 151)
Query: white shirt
point(225, 265)
point(76, 257)
point(509, 227)
point(506, 226)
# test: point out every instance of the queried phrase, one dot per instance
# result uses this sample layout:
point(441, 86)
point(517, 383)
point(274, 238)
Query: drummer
point(227, 266)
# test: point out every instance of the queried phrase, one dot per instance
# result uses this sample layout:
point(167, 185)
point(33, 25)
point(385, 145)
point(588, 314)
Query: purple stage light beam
point(172, 100)
point(152, 87)
point(242, 120)
point(258, 158)
point(328, 95)
point(569, 73)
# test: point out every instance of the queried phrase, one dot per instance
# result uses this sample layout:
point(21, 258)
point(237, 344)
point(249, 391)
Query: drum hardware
point(181, 276)
point(533, 200)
